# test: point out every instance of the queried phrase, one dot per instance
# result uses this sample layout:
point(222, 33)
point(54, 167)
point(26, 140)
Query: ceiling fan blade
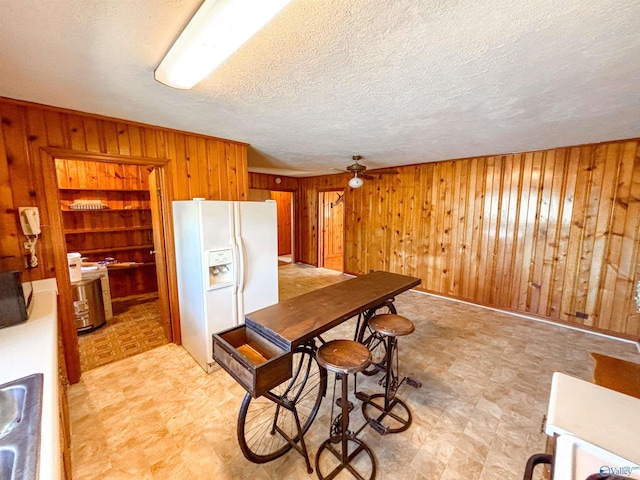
point(366, 176)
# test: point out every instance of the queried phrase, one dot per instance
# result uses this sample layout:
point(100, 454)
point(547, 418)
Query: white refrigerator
point(227, 266)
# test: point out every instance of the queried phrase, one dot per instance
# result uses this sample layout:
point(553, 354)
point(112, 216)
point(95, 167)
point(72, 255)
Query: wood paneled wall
point(199, 166)
point(554, 233)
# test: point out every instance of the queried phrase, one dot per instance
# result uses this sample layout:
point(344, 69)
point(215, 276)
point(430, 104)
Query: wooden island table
point(273, 357)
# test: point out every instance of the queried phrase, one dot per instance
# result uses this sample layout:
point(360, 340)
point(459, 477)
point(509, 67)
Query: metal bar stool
point(343, 357)
point(385, 412)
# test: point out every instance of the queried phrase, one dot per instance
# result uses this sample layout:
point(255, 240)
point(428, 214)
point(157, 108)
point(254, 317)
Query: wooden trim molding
point(63, 153)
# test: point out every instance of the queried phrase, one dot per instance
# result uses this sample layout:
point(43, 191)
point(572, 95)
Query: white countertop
point(32, 347)
point(600, 416)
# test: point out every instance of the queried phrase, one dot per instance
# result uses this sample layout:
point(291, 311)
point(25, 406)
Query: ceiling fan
point(359, 172)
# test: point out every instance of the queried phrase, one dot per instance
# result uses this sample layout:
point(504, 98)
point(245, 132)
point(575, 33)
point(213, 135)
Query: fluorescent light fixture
point(356, 182)
point(218, 29)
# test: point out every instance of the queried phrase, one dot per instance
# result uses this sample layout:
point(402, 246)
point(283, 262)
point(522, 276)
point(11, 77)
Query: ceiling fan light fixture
point(217, 30)
point(355, 182)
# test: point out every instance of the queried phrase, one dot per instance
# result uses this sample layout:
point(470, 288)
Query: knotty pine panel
point(553, 233)
point(285, 231)
point(132, 281)
point(263, 181)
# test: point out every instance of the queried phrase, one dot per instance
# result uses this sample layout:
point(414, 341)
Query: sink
point(577, 459)
point(20, 420)
point(11, 408)
point(7, 463)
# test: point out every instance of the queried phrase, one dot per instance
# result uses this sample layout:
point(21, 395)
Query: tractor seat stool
point(379, 409)
point(343, 357)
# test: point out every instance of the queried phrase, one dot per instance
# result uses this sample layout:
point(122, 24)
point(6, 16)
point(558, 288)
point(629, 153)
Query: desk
point(299, 319)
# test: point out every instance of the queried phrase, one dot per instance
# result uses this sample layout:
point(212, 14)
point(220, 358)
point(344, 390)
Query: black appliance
point(15, 297)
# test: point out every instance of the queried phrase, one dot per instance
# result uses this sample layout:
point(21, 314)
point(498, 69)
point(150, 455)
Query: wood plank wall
point(285, 230)
point(552, 233)
point(263, 181)
point(199, 166)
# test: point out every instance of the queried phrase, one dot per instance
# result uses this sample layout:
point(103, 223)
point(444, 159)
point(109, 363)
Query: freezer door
point(216, 220)
point(257, 241)
point(201, 226)
point(187, 235)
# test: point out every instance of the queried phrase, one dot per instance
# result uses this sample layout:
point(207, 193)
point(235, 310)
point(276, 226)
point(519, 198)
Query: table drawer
point(255, 362)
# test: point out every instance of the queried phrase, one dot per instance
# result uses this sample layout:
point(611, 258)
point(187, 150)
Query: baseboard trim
point(534, 318)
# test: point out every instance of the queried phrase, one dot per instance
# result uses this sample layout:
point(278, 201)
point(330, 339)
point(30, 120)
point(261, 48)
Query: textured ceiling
point(397, 81)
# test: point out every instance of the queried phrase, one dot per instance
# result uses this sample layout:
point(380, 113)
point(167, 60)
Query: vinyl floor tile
point(486, 377)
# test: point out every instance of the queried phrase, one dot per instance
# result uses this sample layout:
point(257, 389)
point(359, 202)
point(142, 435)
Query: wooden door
point(331, 253)
point(156, 180)
point(283, 200)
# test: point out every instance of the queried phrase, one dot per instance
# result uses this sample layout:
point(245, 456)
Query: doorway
point(116, 206)
point(284, 201)
point(331, 226)
point(107, 221)
point(285, 211)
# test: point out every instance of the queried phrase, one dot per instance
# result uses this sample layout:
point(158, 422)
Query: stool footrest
point(339, 404)
point(379, 367)
point(413, 382)
point(378, 427)
point(363, 397)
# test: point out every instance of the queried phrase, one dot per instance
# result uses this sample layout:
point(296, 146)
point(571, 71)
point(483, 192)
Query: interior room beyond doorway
point(284, 201)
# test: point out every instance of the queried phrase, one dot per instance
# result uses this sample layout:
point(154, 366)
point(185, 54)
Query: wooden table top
point(294, 321)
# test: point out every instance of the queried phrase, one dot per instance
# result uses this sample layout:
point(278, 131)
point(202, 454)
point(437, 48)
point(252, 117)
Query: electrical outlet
point(582, 315)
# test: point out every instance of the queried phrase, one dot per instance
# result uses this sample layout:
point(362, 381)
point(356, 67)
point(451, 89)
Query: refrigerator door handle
point(241, 263)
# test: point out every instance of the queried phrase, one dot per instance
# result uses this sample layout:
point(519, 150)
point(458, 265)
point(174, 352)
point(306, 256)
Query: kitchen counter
point(602, 417)
point(32, 347)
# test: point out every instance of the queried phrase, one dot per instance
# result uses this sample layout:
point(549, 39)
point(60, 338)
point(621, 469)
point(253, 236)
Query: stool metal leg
point(345, 418)
point(391, 406)
point(345, 436)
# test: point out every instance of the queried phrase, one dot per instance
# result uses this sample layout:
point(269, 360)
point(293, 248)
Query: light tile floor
point(485, 375)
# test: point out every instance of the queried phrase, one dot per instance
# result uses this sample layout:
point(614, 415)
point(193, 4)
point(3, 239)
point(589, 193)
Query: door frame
point(292, 219)
point(321, 225)
point(161, 224)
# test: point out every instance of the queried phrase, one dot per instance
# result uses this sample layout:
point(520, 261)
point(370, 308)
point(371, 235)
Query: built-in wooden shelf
point(127, 265)
point(123, 230)
point(106, 230)
point(132, 190)
point(118, 249)
point(76, 210)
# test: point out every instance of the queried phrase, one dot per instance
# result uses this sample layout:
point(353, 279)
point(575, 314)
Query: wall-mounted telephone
point(30, 220)
point(30, 223)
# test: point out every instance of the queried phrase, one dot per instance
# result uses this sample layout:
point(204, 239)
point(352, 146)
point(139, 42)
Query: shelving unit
point(116, 222)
